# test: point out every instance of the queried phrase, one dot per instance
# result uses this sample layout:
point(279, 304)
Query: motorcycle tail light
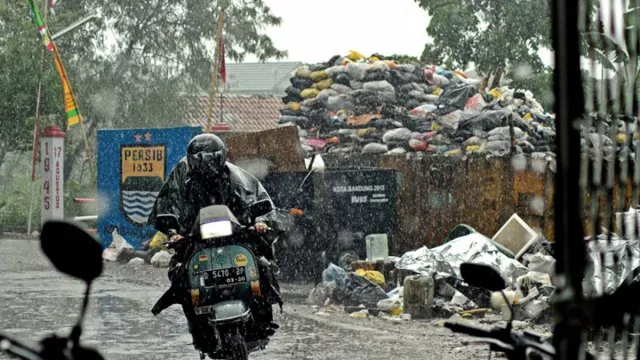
point(255, 288)
point(195, 297)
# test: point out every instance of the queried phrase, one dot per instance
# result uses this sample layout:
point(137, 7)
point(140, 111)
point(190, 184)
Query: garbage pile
point(122, 252)
point(375, 106)
point(430, 284)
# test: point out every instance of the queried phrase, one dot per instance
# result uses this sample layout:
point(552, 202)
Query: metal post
point(570, 251)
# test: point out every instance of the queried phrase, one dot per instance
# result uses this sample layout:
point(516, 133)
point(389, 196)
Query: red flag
point(223, 66)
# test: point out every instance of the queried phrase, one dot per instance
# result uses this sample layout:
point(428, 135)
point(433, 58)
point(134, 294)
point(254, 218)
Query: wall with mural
point(132, 166)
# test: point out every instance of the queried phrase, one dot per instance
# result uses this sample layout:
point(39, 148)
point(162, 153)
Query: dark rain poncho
point(181, 196)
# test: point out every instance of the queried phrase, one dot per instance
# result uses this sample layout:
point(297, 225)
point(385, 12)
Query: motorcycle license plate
point(227, 276)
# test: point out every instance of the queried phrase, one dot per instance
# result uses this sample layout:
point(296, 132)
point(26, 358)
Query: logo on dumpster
point(142, 176)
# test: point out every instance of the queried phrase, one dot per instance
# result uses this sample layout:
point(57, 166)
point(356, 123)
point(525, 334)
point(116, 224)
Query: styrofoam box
point(516, 235)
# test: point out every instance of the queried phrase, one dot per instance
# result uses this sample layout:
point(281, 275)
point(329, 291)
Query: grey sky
point(313, 31)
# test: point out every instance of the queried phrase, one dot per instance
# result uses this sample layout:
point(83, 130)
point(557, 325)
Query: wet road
point(35, 300)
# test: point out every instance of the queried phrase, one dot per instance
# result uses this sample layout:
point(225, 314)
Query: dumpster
point(341, 207)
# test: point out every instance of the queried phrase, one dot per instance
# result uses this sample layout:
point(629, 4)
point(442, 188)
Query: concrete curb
point(17, 236)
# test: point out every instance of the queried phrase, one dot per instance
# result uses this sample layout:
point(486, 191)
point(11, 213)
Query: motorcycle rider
point(203, 178)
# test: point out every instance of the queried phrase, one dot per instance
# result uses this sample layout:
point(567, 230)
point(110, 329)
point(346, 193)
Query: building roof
point(243, 113)
point(269, 78)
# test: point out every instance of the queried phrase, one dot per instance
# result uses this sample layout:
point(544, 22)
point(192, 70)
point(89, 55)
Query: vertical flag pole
point(36, 131)
point(216, 65)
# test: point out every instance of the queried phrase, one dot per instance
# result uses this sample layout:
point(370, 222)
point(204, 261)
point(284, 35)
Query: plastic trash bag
point(309, 93)
point(301, 83)
point(340, 102)
point(355, 56)
point(326, 94)
point(397, 135)
point(473, 141)
point(161, 259)
point(406, 68)
point(392, 306)
point(374, 148)
point(379, 66)
point(342, 78)
point(320, 294)
point(357, 71)
point(358, 291)
point(379, 86)
point(355, 84)
point(374, 276)
point(118, 245)
point(158, 241)
point(453, 120)
point(317, 76)
point(423, 110)
point(397, 151)
point(340, 88)
point(324, 84)
point(455, 98)
point(418, 145)
point(293, 106)
point(476, 102)
point(335, 70)
point(505, 132)
point(334, 273)
point(303, 72)
point(499, 146)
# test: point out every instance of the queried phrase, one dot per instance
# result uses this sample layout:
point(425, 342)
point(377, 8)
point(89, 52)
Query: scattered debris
point(161, 259)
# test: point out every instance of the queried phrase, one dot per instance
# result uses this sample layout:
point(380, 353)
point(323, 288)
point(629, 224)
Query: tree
point(20, 49)
point(162, 48)
point(493, 34)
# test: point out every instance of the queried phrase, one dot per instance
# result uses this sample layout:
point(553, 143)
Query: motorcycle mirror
point(166, 222)
point(260, 208)
point(482, 276)
point(62, 241)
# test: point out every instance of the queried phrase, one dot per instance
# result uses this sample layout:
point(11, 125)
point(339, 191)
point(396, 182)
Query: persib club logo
point(142, 176)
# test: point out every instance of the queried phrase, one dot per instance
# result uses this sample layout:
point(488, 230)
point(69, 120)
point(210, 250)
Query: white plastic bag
point(161, 259)
point(118, 244)
point(374, 148)
point(397, 135)
point(321, 293)
point(379, 86)
point(335, 70)
point(357, 71)
point(340, 89)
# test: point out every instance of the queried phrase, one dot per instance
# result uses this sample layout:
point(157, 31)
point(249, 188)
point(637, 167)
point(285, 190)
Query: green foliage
point(403, 59)
point(539, 83)
point(157, 50)
point(14, 205)
point(489, 33)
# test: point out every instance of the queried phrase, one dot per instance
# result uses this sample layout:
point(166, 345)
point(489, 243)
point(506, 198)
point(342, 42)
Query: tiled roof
point(259, 78)
point(243, 113)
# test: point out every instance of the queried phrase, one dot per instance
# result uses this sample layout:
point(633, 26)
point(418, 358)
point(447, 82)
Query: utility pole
point(216, 67)
point(36, 128)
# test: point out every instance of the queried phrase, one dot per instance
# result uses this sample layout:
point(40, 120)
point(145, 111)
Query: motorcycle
point(87, 267)
point(224, 286)
point(515, 345)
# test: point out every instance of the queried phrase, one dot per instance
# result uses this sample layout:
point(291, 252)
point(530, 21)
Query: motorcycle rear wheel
point(237, 348)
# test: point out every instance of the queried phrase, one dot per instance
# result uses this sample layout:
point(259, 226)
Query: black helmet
point(206, 155)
